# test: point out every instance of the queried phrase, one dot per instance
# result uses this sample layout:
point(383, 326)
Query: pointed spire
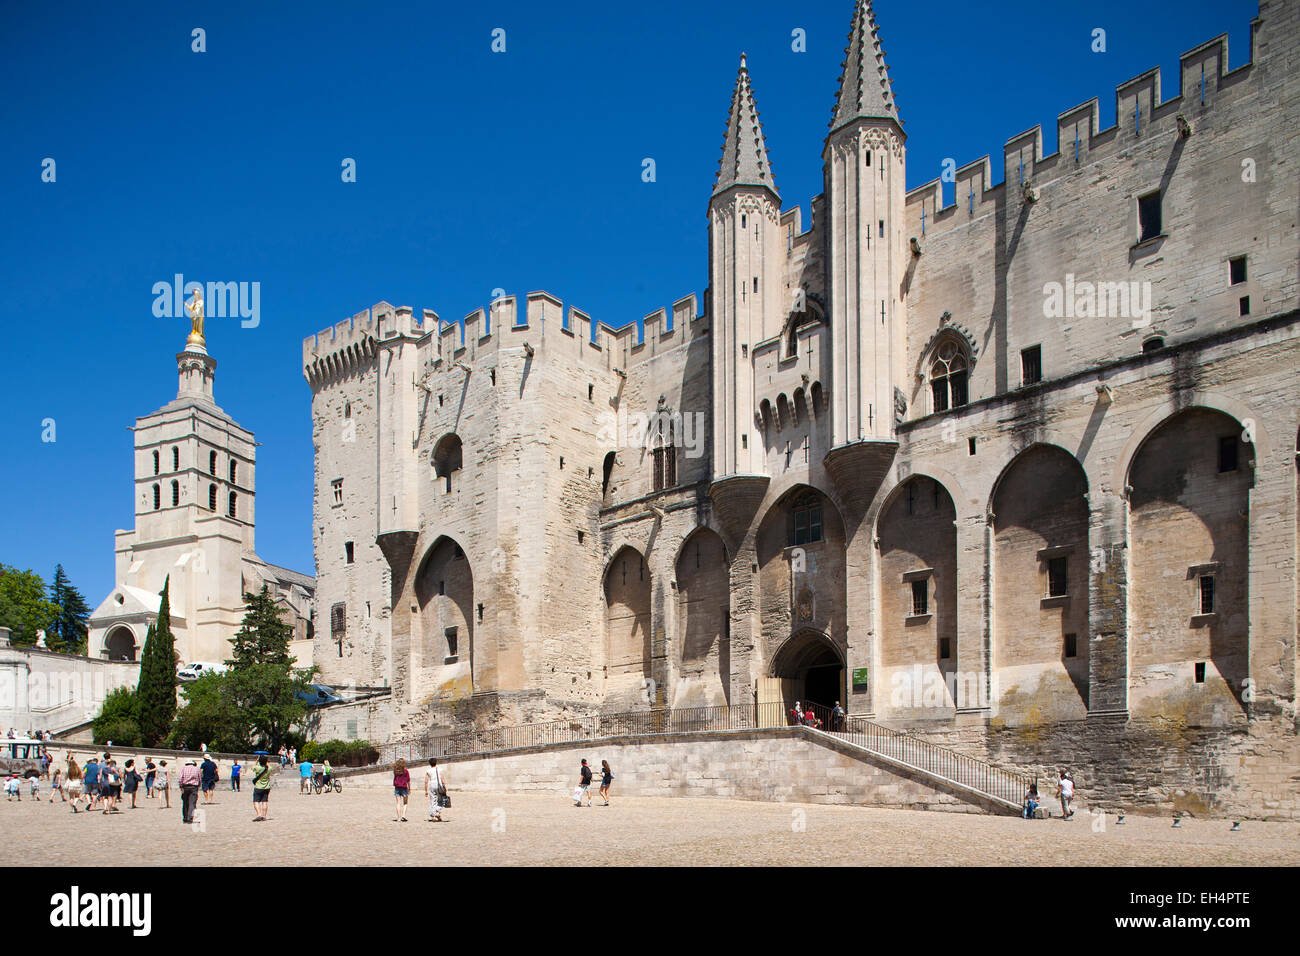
point(744, 151)
point(865, 90)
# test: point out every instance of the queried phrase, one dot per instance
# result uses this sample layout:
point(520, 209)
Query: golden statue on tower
point(195, 308)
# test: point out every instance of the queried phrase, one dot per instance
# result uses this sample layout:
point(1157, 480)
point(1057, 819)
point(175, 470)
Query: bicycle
point(320, 785)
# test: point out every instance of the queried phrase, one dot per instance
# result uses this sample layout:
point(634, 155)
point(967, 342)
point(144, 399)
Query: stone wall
point(782, 766)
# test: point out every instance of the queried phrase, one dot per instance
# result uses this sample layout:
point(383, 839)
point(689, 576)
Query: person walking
point(150, 775)
point(261, 790)
point(131, 781)
point(606, 778)
point(435, 788)
point(284, 755)
point(838, 714)
point(56, 785)
point(73, 786)
point(208, 773)
point(401, 788)
point(110, 786)
point(189, 790)
point(1065, 790)
point(584, 784)
point(797, 712)
point(304, 776)
point(163, 785)
point(92, 784)
point(234, 776)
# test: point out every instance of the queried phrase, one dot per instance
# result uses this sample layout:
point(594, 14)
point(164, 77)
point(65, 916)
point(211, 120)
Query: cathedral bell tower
point(866, 260)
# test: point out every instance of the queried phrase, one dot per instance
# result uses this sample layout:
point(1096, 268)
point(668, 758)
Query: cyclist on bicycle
point(329, 775)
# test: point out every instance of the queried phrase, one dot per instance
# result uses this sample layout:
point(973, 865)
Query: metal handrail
point(895, 745)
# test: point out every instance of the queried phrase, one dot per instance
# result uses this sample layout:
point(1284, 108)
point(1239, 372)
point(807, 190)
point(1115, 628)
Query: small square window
point(1237, 270)
point(881, 234)
point(1058, 577)
point(1200, 672)
point(970, 446)
point(1149, 216)
point(1207, 594)
point(1031, 365)
point(347, 551)
point(1072, 645)
point(1153, 345)
point(945, 648)
point(920, 597)
point(591, 391)
point(1227, 454)
point(1243, 305)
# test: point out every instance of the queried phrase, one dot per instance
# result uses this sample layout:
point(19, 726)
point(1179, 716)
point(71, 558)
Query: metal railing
point(896, 745)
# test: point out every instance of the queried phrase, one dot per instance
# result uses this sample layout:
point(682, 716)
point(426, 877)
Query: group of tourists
point(1064, 792)
point(315, 776)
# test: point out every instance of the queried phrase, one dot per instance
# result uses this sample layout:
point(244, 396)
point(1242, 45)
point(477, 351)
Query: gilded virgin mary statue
point(195, 308)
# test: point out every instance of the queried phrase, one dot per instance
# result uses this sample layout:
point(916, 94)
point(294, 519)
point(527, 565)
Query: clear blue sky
point(474, 170)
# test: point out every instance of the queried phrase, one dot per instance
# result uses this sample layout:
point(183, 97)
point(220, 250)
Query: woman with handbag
point(435, 788)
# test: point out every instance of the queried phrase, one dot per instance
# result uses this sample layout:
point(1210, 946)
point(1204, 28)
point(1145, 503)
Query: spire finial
point(865, 90)
point(744, 149)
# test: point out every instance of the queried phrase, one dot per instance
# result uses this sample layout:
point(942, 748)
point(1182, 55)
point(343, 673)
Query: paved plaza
point(486, 829)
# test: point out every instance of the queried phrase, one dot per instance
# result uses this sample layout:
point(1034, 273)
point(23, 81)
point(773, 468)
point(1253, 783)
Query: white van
point(196, 669)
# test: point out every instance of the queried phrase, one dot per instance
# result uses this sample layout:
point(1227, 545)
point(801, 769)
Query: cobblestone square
point(357, 827)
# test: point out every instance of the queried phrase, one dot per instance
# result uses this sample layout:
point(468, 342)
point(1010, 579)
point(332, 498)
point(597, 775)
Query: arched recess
point(1189, 569)
point(1040, 586)
point(811, 669)
point(703, 621)
point(119, 644)
point(627, 625)
point(444, 592)
point(448, 458)
point(801, 563)
point(917, 536)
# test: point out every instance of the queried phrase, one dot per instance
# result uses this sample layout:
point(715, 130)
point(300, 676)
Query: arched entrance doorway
point(811, 670)
point(120, 644)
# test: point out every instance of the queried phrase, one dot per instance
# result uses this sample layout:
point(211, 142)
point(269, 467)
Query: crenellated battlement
point(1205, 83)
point(542, 323)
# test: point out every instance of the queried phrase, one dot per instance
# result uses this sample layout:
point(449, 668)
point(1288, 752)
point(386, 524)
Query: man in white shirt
point(1065, 790)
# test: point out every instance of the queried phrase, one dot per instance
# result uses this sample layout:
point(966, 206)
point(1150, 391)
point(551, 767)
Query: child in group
point(56, 785)
point(36, 788)
point(13, 788)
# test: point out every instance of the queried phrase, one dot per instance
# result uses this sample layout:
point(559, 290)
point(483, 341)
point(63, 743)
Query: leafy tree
point(23, 606)
point(255, 703)
point(262, 681)
point(210, 716)
point(118, 720)
point(156, 690)
point(68, 633)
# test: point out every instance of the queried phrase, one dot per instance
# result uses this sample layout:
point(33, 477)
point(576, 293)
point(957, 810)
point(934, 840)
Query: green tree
point(156, 690)
point(118, 720)
point(23, 606)
point(68, 633)
point(210, 716)
point(262, 681)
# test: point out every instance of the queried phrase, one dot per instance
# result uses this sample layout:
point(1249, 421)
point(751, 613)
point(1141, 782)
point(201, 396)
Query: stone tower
point(866, 256)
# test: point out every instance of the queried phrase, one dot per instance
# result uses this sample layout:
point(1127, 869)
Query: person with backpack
point(584, 785)
point(435, 788)
point(261, 790)
point(110, 786)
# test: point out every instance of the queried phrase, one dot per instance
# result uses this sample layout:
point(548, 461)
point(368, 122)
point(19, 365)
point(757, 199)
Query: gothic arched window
point(233, 499)
point(157, 497)
point(664, 453)
point(155, 463)
point(949, 368)
point(212, 463)
point(212, 497)
point(232, 471)
point(176, 459)
point(176, 493)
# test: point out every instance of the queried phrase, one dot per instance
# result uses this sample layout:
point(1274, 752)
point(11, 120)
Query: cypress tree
point(156, 691)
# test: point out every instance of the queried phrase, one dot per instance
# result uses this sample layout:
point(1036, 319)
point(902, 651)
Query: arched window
point(608, 472)
point(806, 519)
point(792, 340)
point(232, 471)
point(949, 368)
point(155, 462)
point(347, 410)
point(233, 500)
point(212, 497)
point(448, 457)
point(157, 497)
point(176, 458)
point(664, 453)
point(212, 463)
point(817, 405)
point(176, 493)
